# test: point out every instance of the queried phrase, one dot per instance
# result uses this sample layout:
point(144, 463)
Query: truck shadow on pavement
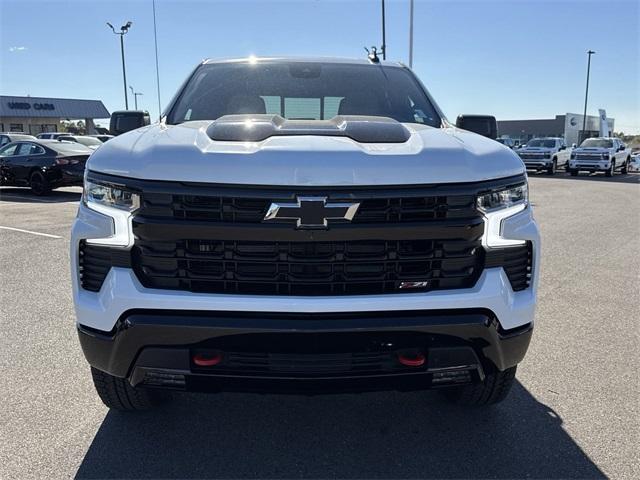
point(377, 435)
point(24, 195)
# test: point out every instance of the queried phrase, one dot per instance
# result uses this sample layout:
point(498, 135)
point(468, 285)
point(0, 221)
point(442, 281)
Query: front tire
point(573, 172)
point(611, 170)
point(625, 167)
point(552, 169)
point(39, 184)
point(118, 394)
point(494, 389)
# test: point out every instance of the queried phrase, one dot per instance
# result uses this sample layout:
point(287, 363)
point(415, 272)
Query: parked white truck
point(602, 154)
point(545, 154)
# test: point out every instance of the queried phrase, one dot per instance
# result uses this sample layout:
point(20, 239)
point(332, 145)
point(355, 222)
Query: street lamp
point(123, 31)
point(586, 95)
point(410, 33)
point(135, 96)
point(384, 36)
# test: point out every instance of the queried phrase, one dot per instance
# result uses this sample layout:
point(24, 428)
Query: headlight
point(496, 207)
point(109, 196)
point(573, 156)
point(115, 202)
point(605, 156)
point(510, 197)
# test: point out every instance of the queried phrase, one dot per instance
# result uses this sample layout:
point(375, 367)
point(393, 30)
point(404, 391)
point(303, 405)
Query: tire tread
point(118, 394)
point(493, 389)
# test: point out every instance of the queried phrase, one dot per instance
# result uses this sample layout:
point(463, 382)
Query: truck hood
point(186, 153)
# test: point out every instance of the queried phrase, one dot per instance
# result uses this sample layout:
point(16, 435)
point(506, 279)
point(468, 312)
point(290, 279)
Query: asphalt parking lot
point(574, 412)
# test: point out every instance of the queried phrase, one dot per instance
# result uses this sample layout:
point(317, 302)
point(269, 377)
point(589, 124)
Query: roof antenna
point(372, 55)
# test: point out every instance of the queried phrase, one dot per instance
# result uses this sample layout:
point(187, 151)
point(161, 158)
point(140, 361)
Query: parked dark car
point(9, 137)
point(43, 164)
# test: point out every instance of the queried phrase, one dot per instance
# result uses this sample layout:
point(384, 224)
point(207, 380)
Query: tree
point(76, 128)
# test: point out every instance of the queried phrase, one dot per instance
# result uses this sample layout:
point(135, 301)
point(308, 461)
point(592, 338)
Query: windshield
point(597, 143)
point(540, 142)
point(310, 91)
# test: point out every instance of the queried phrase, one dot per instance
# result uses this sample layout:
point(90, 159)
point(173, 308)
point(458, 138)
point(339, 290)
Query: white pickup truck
point(304, 224)
point(602, 154)
point(545, 154)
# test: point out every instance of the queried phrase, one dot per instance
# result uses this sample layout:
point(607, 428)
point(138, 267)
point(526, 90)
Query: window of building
point(15, 127)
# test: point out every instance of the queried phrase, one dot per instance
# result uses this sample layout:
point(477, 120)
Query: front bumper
point(304, 352)
point(537, 164)
point(122, 291)
point(590, 166)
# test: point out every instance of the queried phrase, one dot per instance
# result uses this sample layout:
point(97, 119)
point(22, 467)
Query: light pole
point(135, 96)
point(384, 37)
point(410, 33)
point(123, 31)
point(155, 41)
point(586, 96)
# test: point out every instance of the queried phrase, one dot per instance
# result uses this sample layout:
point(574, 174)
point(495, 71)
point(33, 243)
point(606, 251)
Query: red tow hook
point(207, 359)
point(412, 359)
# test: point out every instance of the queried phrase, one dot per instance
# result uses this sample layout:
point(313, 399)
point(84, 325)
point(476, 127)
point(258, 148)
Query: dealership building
point(567, 126)
point(38, 114)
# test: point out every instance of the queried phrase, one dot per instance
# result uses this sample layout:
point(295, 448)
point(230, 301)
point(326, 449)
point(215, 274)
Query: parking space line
point(29, 231)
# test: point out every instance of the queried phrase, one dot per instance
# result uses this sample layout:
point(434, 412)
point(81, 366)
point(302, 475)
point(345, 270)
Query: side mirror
point(484, 125)
point(621, 148)
point(563, 147)
point(127, 120)
point(574, 145)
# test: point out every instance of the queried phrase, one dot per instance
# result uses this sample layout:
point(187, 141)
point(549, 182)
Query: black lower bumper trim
point(304, 351)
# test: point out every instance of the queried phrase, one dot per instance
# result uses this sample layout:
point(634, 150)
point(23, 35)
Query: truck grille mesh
point(307, 268)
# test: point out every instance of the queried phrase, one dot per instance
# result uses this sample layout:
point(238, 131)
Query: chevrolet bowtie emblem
point(312, 212)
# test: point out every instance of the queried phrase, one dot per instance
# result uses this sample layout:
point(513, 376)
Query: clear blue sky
point(514, 59)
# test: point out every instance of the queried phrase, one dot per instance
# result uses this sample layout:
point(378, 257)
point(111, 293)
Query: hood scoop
point(259, 127)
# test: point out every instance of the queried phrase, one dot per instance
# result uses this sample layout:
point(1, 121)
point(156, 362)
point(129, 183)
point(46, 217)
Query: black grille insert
point(308, 268)
point(94, 263)
point(517, 263)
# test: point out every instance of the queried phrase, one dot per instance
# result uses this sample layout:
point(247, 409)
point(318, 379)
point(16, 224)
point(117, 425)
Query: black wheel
point(625, 167)
point(39, 185)
point(612, 169)
point(552, 169)
point(118, 394)
point(573, 172)
point(493, 389)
